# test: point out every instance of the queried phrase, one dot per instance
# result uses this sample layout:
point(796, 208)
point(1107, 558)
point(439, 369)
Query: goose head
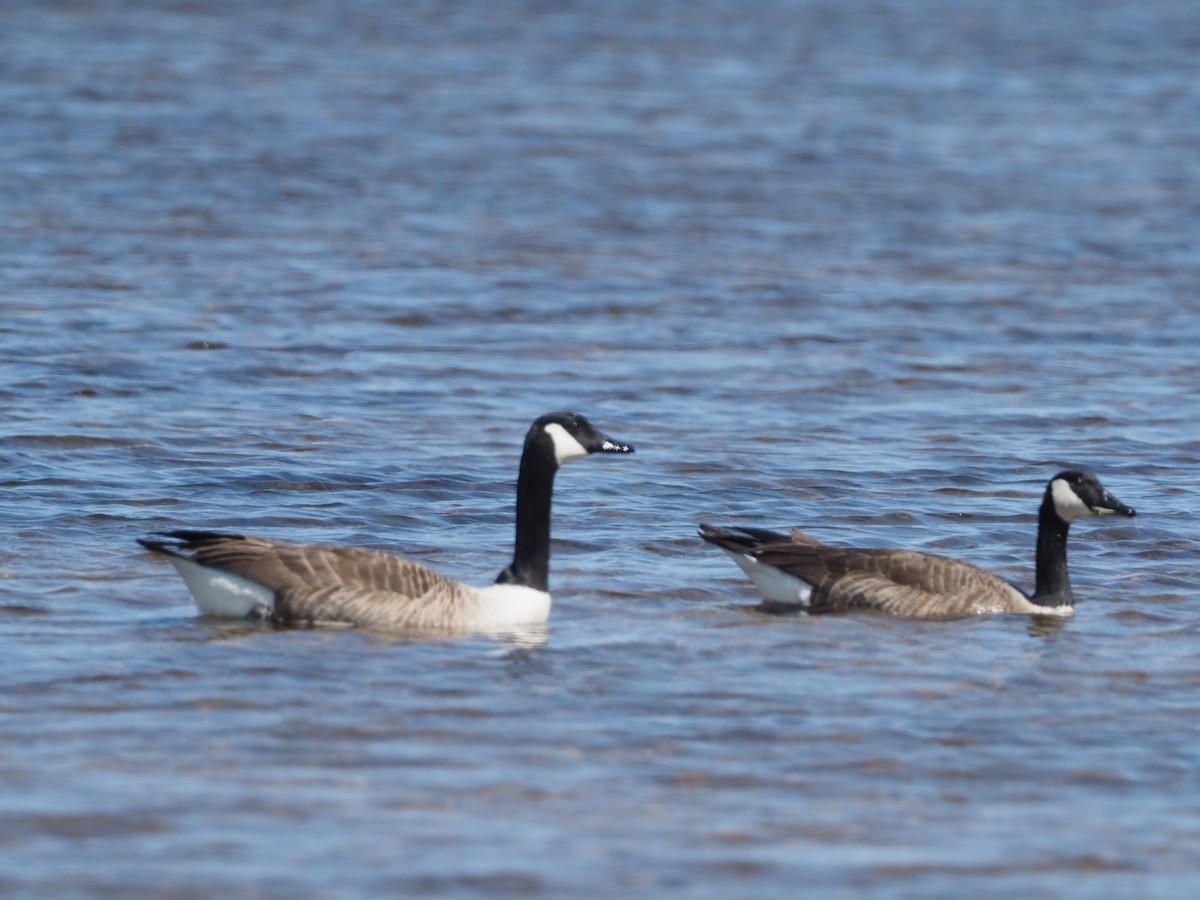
point(1075, 493)
point(564, 436)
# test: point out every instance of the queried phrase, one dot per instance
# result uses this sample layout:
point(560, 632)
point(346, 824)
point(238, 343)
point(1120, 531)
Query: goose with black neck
point(797, 570)
point(233, 575)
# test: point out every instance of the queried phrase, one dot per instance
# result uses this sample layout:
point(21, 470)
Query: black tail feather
point(173, 543)
point(740, 539)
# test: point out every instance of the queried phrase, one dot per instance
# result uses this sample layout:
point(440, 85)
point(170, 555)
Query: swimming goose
point(237, 576)
point(796, 569)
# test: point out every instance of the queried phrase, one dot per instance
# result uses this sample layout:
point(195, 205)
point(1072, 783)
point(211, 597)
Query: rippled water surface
point(875, 268)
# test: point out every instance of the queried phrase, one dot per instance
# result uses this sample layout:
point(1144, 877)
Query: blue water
point(877, 269)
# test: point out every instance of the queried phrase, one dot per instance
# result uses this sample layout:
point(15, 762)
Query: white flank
point(220, 593)
point(1033, 609)
point(1063, 611)
point(1066, 502)
point(1021, 604)
point(566, 448)
point(774, 584)
point(507, 605)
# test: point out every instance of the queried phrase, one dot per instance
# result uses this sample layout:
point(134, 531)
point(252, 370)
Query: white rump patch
point(220, 593)
point(774, 584)
point(566, 448)
point(1066, 502)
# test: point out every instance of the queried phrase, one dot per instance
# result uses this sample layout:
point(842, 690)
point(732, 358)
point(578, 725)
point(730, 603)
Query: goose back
point(332, 584)
point(899, 582)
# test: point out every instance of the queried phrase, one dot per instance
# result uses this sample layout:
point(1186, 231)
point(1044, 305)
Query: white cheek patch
point(1066, 502)
point(566, 448)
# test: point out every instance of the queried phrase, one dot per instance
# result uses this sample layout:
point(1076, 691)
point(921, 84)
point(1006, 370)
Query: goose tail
point(216, 592)
point(180, 541)
point(740, 544)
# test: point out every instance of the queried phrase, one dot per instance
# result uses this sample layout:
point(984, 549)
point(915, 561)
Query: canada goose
point(237, 576)
point(796, 569)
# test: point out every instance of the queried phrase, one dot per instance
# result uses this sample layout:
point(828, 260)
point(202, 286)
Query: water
point(878, 269)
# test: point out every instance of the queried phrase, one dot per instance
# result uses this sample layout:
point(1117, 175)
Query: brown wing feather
point(900, 582)
point(323, 583)
point(799, 537)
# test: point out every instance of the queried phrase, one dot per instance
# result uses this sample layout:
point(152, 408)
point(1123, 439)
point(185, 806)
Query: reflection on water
point(875, 270)
point(1045, 626)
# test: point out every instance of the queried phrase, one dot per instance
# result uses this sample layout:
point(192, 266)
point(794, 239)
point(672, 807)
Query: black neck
point(531, 553)
point(1053, 584)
